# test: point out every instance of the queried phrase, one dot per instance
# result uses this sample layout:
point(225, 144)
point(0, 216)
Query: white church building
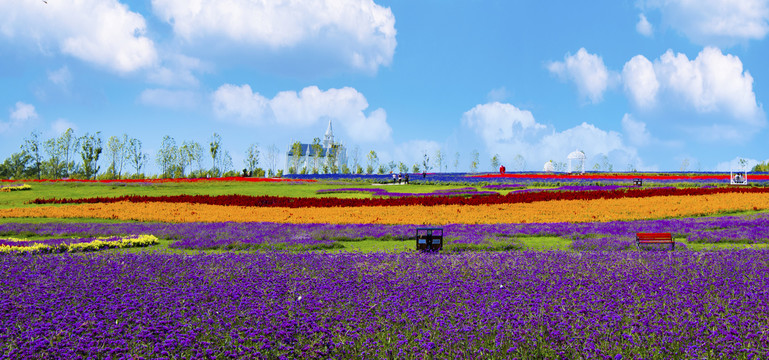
point(306, 159)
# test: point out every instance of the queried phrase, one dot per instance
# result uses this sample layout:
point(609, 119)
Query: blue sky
point(648, 84)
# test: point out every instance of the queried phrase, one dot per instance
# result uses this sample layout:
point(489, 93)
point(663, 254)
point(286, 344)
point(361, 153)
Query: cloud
point(635, 130)
point(345, 106)
point(713, 85)
point(715, 22)
point(23, 112)
point(640, 81)
point(174, 99)
point(102, 32)
point(177, 70)
point(497, 122)
point(588, 73)
point(20, 115)
point(61, 77)
point(508, 131)
point(643, 26)
point(359, 32)
point(712, 82)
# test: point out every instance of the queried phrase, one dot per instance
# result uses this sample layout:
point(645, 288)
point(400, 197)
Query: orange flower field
point(550, 211)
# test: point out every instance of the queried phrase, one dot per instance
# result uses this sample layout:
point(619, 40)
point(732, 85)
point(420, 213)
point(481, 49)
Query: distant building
point(331, 153)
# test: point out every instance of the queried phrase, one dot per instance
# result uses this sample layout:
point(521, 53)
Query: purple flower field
point(722, 229)
point(318, 306)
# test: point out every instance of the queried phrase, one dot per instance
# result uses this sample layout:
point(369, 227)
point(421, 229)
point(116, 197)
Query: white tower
point(328, 139)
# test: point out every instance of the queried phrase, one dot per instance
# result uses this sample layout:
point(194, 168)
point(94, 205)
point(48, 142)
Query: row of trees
point(70, 156)
point(56, 158)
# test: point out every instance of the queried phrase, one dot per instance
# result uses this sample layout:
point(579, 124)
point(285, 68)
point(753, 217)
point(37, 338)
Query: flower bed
point(490, 199)
point(14, 187)
point(223, 234)
point(180, 180)
point(23, 246)
point(487, 305)
point(629, 208)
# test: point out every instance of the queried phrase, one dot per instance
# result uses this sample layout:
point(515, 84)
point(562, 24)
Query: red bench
point(654, 239)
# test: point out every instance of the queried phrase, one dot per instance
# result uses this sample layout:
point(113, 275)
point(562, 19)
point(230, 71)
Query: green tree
point(296, 157)
point(116, 153)
point(743, 163)
point(53, 168)
point(762, 167)
point(607, 165)
point(474, 164)
point(194, 154)
point(272, 159)
point(317, 151)
point(252, 158)
point(190, 153)
point(415, 168)
point(90, 150)
point(439, 158)
point(426, 161)
point(402, 168)
point(33, 147)
point(495, 162)
point(17, 166)
point(373, 161)
point(216, 153)
point(68, 143)
point(136, 157)
point(332, 163)
point(167, 156)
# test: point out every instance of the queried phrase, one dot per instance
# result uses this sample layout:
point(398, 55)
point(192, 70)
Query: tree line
point(81, 157)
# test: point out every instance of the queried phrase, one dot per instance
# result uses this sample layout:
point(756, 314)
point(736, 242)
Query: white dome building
point(578, 157)
point(549, 166)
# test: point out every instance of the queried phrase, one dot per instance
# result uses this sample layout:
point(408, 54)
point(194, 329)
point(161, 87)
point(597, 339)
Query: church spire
point(329, 138)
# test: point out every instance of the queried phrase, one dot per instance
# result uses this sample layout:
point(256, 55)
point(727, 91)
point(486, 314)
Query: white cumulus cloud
point(20, 114)
point(102, 32)
point(643, 26)
point(588, 73)
point(360, 32)
point(715, 22)
point(711, 82)
point(508, 131)
point(496, 122)
point(640, 81)
point(345, 106)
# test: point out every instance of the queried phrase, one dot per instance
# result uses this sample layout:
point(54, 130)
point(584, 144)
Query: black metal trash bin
point(429, 239)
